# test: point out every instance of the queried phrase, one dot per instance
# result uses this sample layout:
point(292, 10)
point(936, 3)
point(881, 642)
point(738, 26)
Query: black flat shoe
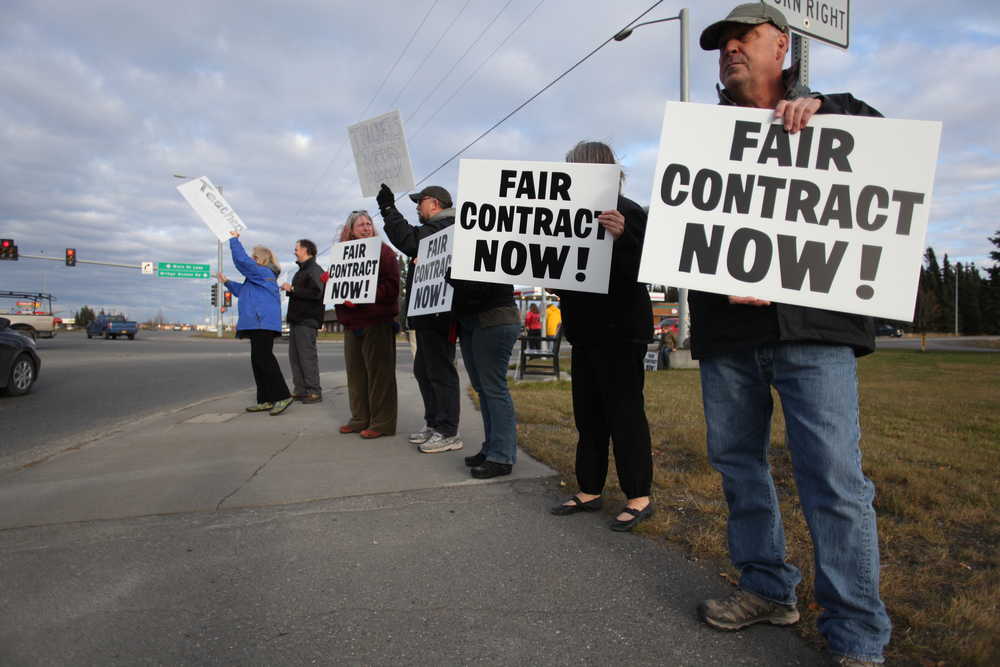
point(477, 460)
point(637, 516)
point(491, 469)
point(578, 506)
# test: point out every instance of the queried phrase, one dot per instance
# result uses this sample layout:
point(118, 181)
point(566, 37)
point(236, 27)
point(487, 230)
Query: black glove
point(385, 198)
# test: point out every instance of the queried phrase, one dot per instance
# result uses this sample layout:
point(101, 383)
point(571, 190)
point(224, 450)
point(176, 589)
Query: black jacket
point(472, 297)
point(719, 327)
point(624, 314)
point(305, 301)
point(407, 238)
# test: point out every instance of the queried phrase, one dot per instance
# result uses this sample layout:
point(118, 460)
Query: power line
point(476, 70)
point(343, 142)
point(530, 99)
point(427, 57)
point(475, 41)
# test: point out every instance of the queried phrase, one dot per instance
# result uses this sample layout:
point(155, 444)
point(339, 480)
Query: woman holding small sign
point(259, 305)
point(609, 333)
point(370, 342)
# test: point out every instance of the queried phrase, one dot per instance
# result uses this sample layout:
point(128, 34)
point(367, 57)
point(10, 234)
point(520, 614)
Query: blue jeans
point(486, 353)
point(818, 388)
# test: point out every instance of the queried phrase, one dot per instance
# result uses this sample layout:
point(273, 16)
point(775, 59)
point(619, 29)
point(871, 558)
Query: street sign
point(147, 268)
point(182, 270)
point(828, 21)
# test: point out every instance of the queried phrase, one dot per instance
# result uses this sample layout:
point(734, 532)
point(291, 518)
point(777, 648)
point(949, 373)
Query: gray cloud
point(104, 101)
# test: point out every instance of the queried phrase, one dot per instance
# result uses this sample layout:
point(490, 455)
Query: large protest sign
point(429, 292)
point(534, 223)
point(832, 217)
point(208, 202)
point(353, 271)
point(380, 154)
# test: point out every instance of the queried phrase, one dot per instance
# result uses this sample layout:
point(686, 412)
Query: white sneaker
point(438, 443)
point(421, 437)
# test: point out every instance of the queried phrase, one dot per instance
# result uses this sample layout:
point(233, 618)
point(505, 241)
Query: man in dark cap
point(434, 364)
point(747, 345)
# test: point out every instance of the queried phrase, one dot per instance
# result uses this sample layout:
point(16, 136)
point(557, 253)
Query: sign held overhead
point(213, 209)
point(381, 154)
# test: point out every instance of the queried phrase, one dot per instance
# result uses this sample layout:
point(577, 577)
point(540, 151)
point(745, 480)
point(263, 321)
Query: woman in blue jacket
point(259, 304)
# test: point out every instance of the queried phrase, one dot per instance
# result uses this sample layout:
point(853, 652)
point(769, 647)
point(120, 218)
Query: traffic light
point(227, 299)
point(7, 249)
point(215, 297)
point(70, 256)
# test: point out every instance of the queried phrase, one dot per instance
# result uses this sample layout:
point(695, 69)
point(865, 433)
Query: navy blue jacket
point(259, 300)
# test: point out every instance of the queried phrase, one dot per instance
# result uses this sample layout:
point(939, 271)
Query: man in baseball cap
point(434, 192)
point(434, 363)
point(746, 346)
point(750, 14)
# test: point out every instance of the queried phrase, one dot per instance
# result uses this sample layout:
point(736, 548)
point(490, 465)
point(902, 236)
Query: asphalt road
point(91, 386)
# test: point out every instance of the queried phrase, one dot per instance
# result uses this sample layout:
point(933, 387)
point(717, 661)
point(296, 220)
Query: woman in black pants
point(259, 304)
point(609, 333)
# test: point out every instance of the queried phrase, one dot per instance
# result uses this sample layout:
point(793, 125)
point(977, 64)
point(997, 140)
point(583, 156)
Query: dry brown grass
point(931, 443)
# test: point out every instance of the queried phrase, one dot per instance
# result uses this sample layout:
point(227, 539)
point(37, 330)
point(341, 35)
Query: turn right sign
point(825, 20)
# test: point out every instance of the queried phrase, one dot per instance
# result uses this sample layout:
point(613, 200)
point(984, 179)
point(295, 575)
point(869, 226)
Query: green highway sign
point(182, 270)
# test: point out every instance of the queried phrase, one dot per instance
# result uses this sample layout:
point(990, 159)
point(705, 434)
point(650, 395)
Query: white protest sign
point(208, 202)
point(832, 217)
point(429, 292)
point(353, 271)
point(380, 154)
point(534, 223)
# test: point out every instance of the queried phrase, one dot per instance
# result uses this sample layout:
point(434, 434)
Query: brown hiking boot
point(743, 608)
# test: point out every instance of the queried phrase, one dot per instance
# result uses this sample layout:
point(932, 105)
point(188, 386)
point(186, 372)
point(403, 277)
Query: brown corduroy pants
point(370, 359)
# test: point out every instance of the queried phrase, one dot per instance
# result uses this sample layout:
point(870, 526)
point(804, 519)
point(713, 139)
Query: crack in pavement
point(256, 472)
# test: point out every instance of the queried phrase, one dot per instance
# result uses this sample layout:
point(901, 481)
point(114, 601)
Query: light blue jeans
point(486, 353)
point(818, 388)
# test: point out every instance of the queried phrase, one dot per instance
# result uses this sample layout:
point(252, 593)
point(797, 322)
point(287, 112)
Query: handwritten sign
point(353, 272)
point(380, 154)
point(213, 209)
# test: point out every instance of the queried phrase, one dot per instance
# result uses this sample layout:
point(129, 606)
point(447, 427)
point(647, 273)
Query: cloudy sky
point(104, 101)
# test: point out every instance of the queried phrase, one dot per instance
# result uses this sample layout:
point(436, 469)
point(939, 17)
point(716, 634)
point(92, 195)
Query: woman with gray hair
point(370, 342)
point(259, 304)
point(609, 333)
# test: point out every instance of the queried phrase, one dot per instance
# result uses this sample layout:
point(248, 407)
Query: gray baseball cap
point(435, 191)
point(752, 13)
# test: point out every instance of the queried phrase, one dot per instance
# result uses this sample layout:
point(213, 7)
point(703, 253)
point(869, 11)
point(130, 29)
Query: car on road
point(112, 326)
point(886, 329)
point(19, 360)
point(30, 313)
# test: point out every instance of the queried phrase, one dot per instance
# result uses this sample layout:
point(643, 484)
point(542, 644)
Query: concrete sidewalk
point(213, 536)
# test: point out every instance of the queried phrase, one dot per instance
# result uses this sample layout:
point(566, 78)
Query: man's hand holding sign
point(833, 216)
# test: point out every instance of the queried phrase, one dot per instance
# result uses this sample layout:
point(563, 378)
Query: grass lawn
point(931, 443)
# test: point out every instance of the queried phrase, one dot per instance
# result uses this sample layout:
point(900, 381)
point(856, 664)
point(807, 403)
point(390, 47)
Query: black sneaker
point(491, 469)
point(477, 460)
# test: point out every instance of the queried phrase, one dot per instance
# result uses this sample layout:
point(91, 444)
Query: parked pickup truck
point(30, 313)
point(112, 326)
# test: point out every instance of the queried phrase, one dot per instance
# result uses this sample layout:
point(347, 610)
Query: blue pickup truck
point(112, 326)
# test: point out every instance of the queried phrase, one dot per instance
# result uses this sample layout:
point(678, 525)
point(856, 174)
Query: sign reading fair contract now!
point(832, 217)
point(353, 272)
point(534, 223)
